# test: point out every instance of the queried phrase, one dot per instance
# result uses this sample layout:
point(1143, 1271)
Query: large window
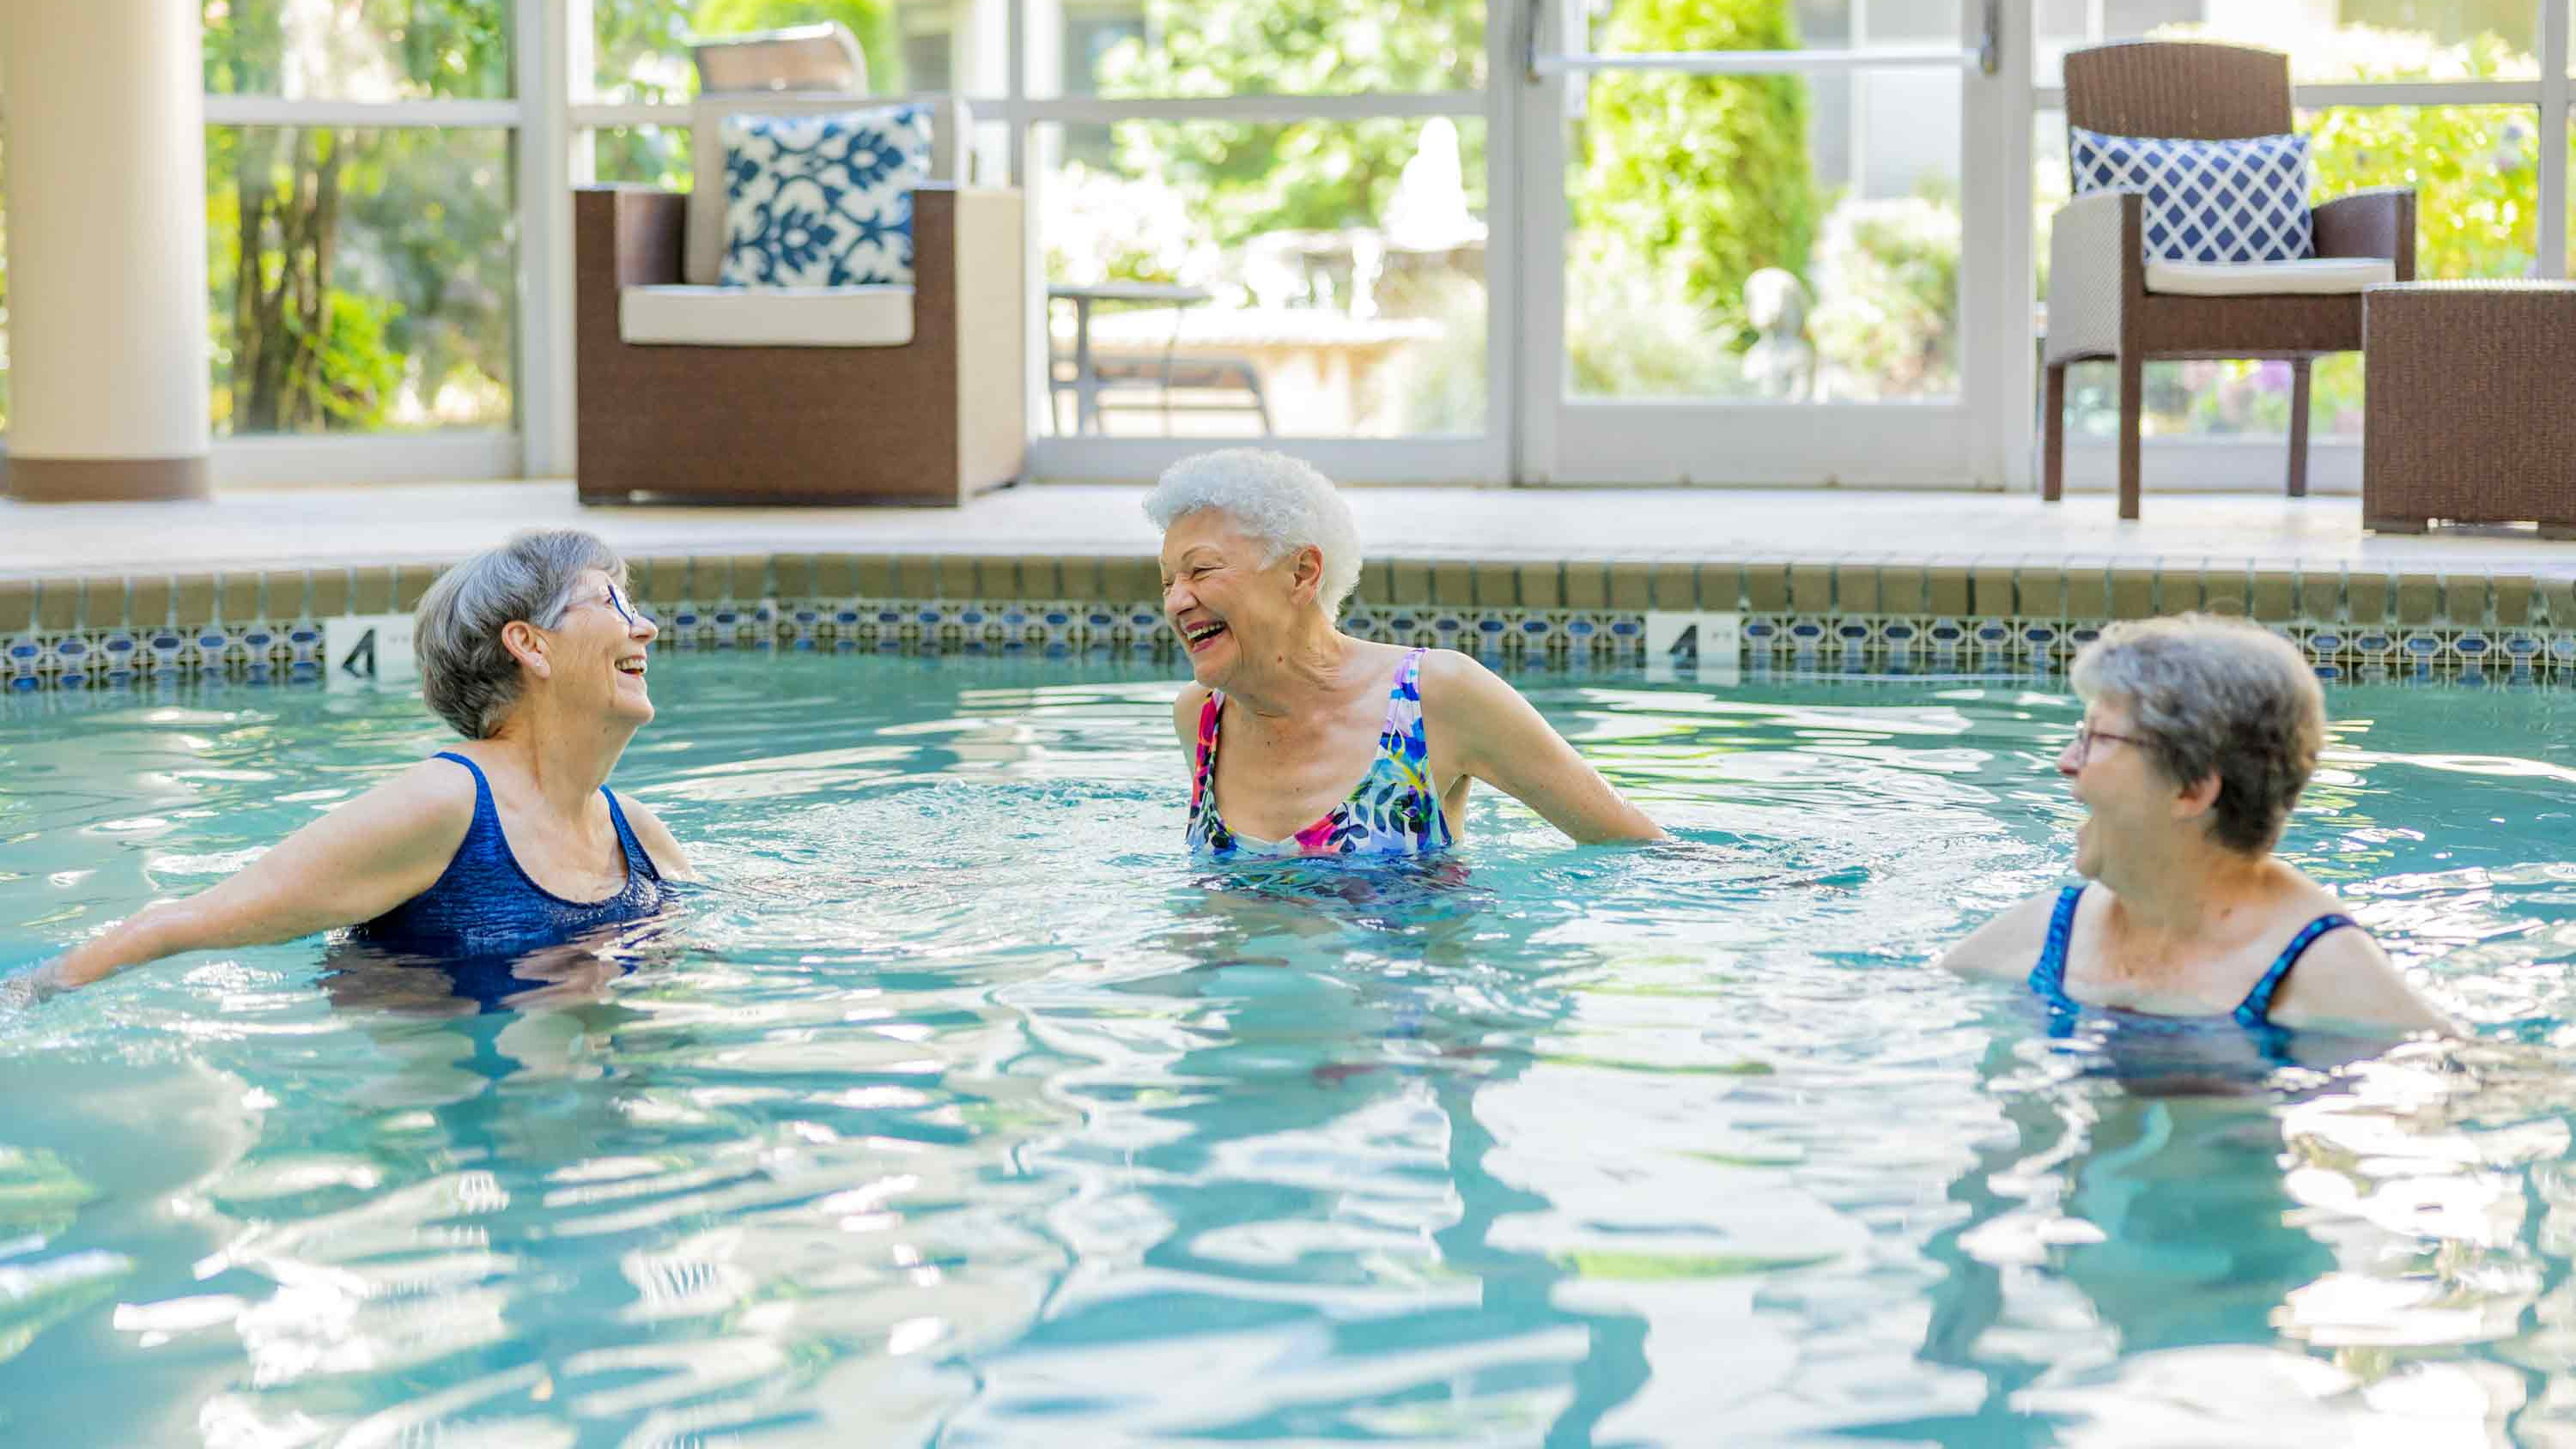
point(1790, 236)
point(362, 215)
point(1330, 276)
point(362, 278)
point(1811, 255)
point(1333, 267)
point(1283, 217)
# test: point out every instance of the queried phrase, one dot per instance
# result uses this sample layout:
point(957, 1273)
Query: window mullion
point(230, 110)
point(2554, 22)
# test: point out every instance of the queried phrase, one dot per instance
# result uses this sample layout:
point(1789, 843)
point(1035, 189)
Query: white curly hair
point(1281, 501)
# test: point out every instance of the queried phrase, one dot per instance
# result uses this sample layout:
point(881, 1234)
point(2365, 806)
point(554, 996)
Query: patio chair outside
point(2099, 302)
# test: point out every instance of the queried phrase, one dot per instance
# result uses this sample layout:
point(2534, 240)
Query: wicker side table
point(2470, 405)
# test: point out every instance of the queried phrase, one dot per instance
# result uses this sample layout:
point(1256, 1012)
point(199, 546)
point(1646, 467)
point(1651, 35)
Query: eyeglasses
point(627, 609)
point(2085, 735)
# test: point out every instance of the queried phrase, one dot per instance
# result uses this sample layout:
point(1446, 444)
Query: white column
point(549, 47)
point(105, 114)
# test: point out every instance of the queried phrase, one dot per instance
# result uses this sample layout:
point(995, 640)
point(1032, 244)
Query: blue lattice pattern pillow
point(2207, 201)
point(822, 200)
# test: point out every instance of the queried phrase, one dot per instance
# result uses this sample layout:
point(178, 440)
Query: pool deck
point(417, 523)
point(94, 595)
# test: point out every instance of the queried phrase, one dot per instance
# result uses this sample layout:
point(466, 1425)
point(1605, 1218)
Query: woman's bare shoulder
point(2007, 945)
point(1186, 707)
point(1450, 677)
point(2346, 980)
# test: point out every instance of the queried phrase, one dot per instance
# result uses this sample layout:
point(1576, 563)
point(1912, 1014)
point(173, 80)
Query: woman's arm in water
point(2346, 981)
point(669, 856)
point(1496, 736)
point(2007, 946)
point(352, 865)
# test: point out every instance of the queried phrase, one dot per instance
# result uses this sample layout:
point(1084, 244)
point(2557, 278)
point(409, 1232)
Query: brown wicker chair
point(932, 412)
point(2099, 306)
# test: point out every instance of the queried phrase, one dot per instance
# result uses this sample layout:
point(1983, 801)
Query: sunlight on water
point(962, 1106)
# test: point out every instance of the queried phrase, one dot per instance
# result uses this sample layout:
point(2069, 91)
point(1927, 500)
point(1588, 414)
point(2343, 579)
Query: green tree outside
point(1707, 173)
point(1244, 180)
point(345, 262)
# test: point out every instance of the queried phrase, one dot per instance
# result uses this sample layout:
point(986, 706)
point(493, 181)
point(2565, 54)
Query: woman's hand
point(24, 990)
point(352, 865)
point(1498, 737)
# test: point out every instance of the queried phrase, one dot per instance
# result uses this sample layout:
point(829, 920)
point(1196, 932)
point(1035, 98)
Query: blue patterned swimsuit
point(1393, 811)
point(485, 902)
point(2048, 977)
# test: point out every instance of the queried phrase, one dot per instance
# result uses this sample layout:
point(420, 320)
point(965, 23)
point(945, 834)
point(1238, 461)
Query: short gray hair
point(2216, 696)
point(468, 675)
point(1279, 500)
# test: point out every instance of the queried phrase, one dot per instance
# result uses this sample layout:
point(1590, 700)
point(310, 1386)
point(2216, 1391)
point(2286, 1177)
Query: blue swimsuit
point(485, 902)
point(2048, 978)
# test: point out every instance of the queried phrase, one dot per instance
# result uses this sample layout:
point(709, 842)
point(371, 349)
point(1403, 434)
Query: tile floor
point(439, 522)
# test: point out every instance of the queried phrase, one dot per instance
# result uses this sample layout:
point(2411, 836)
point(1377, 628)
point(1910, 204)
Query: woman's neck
point(567, 762)
point(2187, 892)
point(1302, 676)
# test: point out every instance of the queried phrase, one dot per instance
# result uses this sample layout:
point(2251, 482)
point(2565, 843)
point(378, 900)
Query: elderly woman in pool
point(508, 841)
point(1259, 552)
point(2198, 735)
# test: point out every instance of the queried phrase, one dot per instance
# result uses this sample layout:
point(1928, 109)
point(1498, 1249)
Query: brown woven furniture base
point(2471, 411)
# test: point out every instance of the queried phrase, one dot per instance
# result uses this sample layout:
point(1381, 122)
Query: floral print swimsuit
point(1394, 811)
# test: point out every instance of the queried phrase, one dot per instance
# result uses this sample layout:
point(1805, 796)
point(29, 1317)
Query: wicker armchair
point(2100, 304)
point(688, 391)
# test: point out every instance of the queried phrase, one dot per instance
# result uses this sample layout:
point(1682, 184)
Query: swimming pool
point(966, 1109)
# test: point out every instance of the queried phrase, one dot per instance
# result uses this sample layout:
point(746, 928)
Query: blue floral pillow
point(822, 200)
point(2207, 201)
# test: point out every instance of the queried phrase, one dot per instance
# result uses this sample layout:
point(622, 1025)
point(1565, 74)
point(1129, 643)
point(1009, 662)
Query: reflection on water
point(961, 1107)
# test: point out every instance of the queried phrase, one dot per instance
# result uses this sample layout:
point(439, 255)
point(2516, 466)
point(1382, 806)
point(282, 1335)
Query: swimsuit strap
point(1202, 777)
point(487, 813)
point(2256, 1008)
point(2048, 977)
point(487, 823)
point(1403, 703)
point(639, 861)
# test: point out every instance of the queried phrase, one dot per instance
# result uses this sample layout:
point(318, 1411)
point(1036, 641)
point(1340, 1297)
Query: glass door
point(1768, 242)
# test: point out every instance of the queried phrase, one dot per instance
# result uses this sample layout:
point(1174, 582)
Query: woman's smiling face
point(603, 643)
point(2110, 773)
point(1223, 594)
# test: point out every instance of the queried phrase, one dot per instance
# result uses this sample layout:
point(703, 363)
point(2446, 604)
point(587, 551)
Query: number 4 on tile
point(1710, 645)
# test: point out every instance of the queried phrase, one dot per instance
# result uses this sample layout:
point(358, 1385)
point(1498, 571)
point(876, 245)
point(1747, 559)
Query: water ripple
point(959, 1107)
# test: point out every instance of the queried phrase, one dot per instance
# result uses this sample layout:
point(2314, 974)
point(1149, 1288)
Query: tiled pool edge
point(1848, 615)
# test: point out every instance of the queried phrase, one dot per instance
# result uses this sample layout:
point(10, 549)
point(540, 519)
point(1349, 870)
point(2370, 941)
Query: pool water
point(963, 1108)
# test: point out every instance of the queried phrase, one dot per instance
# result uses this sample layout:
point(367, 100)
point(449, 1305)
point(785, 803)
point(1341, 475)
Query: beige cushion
point(702, 259)
point(2308, 276)
point(766, 316)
